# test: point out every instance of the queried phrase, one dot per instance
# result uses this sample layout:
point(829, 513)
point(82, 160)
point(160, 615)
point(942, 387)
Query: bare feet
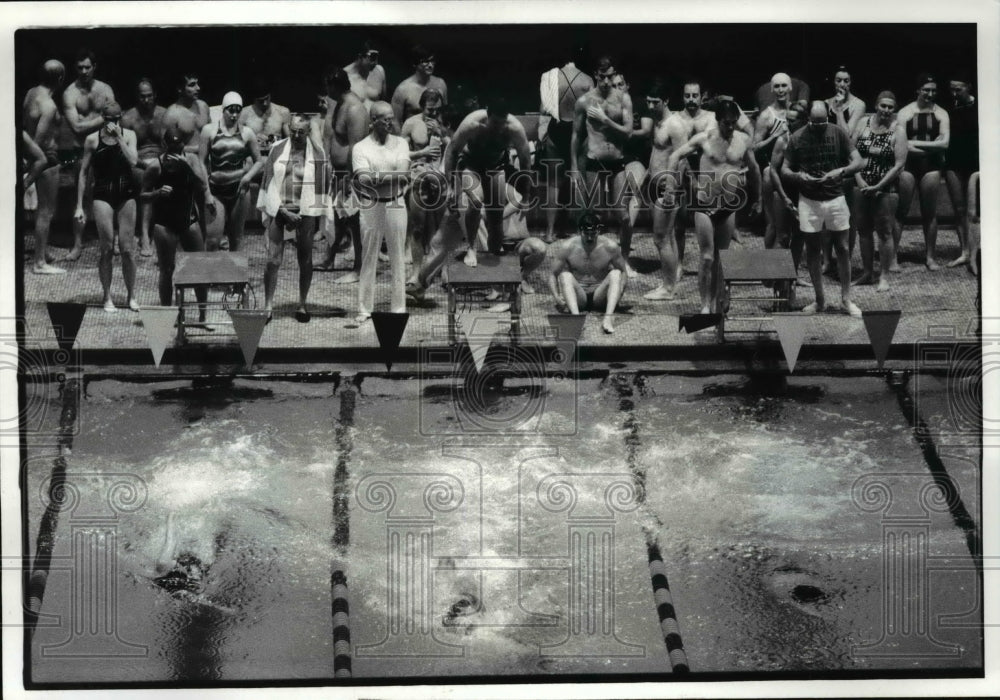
point(851, 308)
point(864, 280)
point(109, 306)
point(629, 271)
point(894, 266)
point(73, 255)
point(932, 264)
point(883, 285)
point(960, 260)
point(661, 293)
point(415, 290)
point(470, 258)
point(46, 269)
point(679, 276)
point(812, 308)
point(526, 288)
point(705, 310)
point(804, 282)
point(350, 278)
point(145, 248)
point(608, 324)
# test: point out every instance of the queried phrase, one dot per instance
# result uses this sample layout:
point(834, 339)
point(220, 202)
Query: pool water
point(475, 552)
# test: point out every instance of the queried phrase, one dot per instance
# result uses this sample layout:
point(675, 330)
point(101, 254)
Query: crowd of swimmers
point(415, 177)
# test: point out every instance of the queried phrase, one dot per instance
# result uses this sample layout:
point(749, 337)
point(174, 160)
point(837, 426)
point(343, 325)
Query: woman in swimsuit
point(177, 186)
point(881, 141)
point(846, 109)
point(111, 153)
point(232, 159)
point(928, 132)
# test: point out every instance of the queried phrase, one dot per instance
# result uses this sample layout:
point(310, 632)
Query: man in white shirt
point(381, 164)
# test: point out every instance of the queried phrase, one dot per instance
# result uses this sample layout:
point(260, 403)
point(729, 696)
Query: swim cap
point(885, 95)
point(232, 98)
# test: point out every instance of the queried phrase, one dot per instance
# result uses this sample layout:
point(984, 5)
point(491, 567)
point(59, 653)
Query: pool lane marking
point(665, 610)
point(922, 434)
point(340, 608)
point(45, 542)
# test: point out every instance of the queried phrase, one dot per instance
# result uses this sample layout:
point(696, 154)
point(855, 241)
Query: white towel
point(549, 89)
point(315, 197)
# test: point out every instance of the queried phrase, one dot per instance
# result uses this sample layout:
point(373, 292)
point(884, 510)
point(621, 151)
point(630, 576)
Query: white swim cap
point(232, 98)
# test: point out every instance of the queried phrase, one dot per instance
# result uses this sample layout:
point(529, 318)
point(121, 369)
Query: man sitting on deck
point(588, 272)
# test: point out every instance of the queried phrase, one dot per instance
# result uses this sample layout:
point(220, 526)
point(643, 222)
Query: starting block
point(750, 268)
point(470, 285)
point(219, 271)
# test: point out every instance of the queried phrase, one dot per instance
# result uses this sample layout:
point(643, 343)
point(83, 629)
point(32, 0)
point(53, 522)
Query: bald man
point(817, 158)
point(381, 166)
point(146, 120)
point(40, 119)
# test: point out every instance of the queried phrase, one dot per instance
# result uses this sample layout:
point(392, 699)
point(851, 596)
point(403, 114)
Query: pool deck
point(933, 305)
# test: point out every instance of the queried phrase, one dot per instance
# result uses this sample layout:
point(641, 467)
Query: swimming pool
point(506, 530)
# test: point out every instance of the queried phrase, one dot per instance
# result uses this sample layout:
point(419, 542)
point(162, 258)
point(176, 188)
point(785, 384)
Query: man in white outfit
point(381, 164)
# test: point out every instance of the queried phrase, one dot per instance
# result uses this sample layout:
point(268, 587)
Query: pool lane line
point(667, 614)
point(665, 610)
point(340, 607)
point(341, 624)
point(932, 458)
point(38, 577)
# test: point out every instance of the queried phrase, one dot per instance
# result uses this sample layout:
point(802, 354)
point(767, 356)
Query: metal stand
point(470, 285)
point(220, 271)
point(750, 268)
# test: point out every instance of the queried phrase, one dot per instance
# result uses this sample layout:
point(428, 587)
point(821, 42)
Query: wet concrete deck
point(940, 304)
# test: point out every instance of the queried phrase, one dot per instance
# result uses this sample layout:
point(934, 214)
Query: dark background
point(509, 59)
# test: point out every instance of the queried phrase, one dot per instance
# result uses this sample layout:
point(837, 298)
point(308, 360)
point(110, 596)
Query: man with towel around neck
point(293, 197)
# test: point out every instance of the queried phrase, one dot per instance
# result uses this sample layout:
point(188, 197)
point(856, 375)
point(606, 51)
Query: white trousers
point(382, 219)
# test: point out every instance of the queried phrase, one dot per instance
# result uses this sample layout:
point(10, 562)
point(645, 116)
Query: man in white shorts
point(818, 157)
